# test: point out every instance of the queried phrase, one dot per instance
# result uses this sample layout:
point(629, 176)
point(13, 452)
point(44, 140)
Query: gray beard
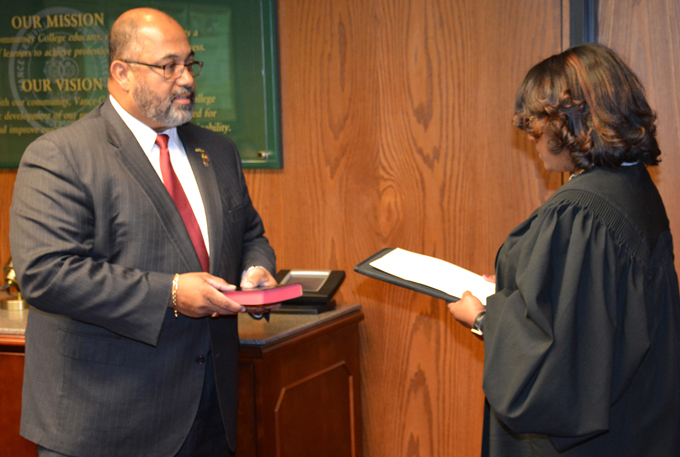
point(160, 110)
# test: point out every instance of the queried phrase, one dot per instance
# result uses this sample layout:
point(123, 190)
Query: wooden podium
point(299, 385)
point(12, 325)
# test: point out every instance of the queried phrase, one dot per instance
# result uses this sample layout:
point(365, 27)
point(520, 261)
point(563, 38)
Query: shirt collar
point(145, 135)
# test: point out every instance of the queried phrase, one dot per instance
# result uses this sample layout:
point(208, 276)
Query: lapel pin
point(204, 156)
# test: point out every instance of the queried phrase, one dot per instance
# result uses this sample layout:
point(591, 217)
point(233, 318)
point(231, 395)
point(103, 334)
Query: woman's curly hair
point(588, 101)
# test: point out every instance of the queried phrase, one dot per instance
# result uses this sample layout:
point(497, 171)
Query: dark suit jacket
point(95, 241)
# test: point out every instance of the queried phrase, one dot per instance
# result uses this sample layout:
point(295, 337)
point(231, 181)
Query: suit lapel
point(199, 158)
point(132, 157)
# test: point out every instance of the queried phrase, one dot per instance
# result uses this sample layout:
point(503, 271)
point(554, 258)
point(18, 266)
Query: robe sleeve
point(565, 333)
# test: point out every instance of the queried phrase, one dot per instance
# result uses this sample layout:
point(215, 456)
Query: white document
point(435, 273)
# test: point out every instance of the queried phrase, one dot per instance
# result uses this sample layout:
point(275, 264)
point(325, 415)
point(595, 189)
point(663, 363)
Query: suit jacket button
point(200, 360)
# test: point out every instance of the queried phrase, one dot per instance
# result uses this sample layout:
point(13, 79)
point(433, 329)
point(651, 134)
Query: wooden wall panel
point(647, 36)
point(397, 132)
point(7, 178)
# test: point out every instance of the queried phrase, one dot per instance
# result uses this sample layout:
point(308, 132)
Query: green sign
point(54, 67)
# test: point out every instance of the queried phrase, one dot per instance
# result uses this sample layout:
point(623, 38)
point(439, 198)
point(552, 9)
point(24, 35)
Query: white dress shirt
point(146, 137)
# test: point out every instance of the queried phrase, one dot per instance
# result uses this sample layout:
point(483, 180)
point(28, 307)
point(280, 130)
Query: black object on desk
point(318, 288)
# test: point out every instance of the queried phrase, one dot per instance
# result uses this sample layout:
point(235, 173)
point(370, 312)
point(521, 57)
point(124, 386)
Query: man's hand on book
point(258, 277)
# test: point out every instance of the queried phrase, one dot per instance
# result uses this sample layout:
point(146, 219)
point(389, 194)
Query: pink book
point(266, 295)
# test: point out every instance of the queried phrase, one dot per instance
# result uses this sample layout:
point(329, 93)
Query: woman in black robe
point(582, 337)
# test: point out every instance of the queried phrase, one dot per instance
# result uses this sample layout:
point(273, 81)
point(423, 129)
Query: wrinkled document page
point(435, 273)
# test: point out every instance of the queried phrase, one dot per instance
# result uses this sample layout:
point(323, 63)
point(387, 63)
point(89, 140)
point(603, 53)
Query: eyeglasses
point(174, 70)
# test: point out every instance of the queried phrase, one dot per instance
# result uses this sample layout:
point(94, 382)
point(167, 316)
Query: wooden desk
point(299, 385)
point(12, 325)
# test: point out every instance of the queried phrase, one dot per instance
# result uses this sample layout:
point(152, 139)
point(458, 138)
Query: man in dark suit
point(131, 346)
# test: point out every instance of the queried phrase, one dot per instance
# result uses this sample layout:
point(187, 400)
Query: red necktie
point(176, 191)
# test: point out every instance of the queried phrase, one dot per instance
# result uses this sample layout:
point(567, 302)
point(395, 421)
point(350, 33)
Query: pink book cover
point(265, 296)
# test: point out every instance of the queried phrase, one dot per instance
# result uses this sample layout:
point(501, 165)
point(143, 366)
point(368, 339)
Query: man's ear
point(121, 73)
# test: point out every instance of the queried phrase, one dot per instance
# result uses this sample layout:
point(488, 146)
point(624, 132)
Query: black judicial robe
point(582, 338)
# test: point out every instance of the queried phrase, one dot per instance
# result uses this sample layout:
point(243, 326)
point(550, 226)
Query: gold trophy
point(13, 302)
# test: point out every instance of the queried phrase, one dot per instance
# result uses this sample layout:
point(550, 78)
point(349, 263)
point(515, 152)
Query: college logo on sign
point(58, 67)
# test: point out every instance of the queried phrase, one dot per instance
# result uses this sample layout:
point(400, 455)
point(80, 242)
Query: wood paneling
point(647, 36)
point(397, 132)
point(7, 178)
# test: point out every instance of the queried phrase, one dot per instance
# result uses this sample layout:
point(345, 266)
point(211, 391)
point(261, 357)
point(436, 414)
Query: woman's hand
point(466, 309)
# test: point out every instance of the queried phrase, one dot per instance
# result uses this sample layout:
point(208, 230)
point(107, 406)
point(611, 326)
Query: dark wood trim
point(582, 22)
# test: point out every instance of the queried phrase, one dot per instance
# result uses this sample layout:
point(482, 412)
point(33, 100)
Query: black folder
point(364, 268)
